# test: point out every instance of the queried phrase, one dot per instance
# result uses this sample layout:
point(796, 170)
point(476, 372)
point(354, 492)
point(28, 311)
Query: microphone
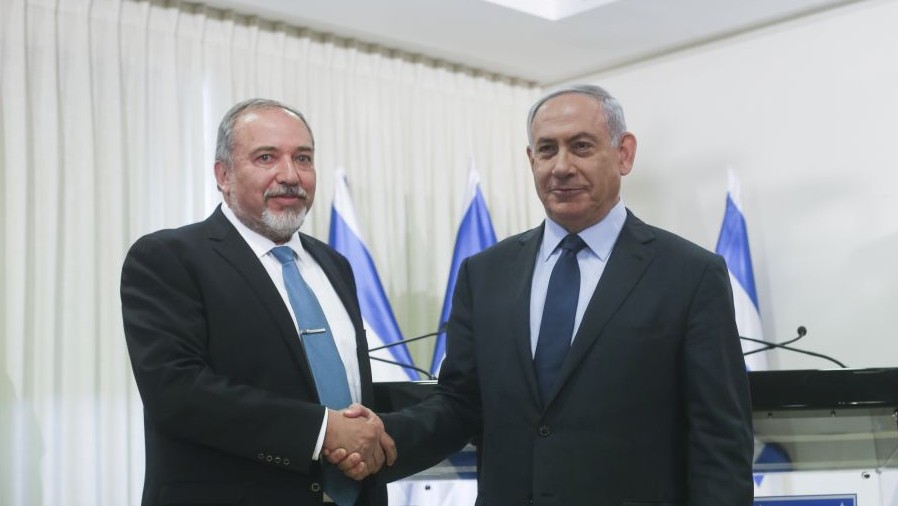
point(769, 345)
point(403, 341)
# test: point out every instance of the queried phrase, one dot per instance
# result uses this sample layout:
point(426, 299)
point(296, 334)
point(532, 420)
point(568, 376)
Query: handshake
point(355, 441)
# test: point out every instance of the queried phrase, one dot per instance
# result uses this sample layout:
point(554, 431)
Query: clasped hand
point(356, 442)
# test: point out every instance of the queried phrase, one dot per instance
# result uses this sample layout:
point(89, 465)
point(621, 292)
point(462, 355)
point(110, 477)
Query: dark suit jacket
point(231, 412)
point(652, 405)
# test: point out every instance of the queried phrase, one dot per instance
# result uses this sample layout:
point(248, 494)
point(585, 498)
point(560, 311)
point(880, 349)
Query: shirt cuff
point(318, 445)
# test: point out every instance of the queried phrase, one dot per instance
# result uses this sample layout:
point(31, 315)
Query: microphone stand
point(408, 366)
point(801, 333)
point(403, 341)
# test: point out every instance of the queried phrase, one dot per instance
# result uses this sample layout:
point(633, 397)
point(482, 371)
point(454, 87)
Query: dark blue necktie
point(557, 327)
point(324, 359)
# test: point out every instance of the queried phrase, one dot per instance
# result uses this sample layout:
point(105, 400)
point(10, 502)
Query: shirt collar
point(599, 237)
point(260, 244)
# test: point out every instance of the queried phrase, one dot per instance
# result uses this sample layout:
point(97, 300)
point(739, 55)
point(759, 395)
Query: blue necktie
point(557, 327)
point(324, 359)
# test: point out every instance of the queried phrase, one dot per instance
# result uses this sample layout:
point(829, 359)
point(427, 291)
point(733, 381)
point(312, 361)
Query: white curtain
point(108, 110)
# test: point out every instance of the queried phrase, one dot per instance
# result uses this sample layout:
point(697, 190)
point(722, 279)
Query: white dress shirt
point(599, 239)
point(314, 276)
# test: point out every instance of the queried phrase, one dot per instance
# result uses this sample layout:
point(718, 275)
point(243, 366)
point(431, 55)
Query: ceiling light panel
point(552, 10)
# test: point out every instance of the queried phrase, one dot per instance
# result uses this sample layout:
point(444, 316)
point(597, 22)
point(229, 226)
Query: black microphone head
point(802, 331)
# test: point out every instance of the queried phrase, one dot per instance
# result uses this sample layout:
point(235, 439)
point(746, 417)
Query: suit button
point(315, 487)
point(544, 430)
point(277, 460)
point(269, 458)
point(286, 461)
point(260, 456)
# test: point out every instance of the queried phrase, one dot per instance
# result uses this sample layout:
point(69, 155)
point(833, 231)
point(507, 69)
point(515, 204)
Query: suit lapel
point(331, 270)
point(626, 265)
point(521, 286)
point(348, 297)
point(226, 241)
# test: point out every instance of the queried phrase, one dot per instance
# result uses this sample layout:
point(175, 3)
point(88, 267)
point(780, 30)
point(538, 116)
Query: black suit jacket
point(652, 404)
point(230, 406)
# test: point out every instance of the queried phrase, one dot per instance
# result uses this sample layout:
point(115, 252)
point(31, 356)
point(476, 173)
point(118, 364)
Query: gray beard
point(281, 226)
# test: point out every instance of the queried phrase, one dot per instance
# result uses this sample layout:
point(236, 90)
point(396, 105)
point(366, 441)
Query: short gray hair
point(614, 113)
point(225, 142)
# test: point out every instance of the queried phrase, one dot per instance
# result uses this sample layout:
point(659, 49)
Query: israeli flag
point(732, 245)
point(380, 324)
point(475, 233)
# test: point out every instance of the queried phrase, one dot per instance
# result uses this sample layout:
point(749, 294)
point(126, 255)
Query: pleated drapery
point(108, 111)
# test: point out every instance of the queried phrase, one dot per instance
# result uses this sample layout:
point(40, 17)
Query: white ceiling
point(487, 36)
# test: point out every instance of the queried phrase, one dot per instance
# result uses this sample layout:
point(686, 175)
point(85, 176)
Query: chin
point(285, 223)
point(566, 213)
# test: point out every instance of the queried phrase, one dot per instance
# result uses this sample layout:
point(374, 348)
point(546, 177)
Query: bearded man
point(246, 337)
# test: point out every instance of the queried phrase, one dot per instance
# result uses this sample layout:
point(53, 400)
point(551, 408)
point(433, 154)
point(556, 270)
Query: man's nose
point(288, 170)
point(562, 164)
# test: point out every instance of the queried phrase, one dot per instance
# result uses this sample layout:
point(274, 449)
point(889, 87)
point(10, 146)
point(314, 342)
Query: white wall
point(807, 113)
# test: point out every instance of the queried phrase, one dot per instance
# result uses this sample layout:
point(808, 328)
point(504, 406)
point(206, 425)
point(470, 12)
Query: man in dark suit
point(233, 405)
point(620, 383)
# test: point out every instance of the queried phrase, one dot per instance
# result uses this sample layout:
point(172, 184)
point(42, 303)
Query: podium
point(827, 420)
point(805, 422)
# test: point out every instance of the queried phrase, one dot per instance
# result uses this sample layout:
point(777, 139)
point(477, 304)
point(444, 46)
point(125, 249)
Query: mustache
point(286, 190)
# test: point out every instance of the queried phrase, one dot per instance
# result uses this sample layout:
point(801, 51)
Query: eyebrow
point(586, 135)
point(575, 137)
point(261, 149)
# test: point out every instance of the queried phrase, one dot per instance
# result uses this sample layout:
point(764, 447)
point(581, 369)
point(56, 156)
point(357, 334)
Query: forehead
point(272, 125)
point(569, 114)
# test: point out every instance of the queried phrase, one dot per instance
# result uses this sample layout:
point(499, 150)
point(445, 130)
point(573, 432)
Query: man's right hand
point(356, 442)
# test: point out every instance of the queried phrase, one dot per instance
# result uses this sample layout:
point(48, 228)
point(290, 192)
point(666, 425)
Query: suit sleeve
point(167, 332)
point(443, 423)
point(718, 403)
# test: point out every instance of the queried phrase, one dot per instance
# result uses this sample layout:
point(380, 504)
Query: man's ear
point(222, 177)
point(627, 152)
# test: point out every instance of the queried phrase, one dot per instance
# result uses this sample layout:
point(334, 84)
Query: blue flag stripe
point(732, 245)
point(475, 233)
point(372, 298)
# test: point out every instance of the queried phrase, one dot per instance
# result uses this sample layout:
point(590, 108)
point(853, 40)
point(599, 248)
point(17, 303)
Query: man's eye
point(265, 158)
point(582, 146)
point(303, 159)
